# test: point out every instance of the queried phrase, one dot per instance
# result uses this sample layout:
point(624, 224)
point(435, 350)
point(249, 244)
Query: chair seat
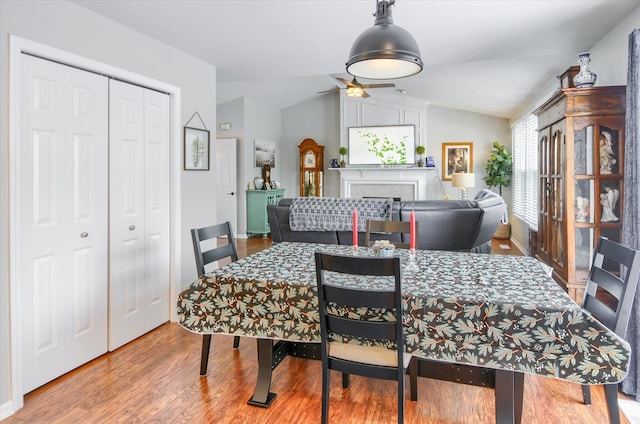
point(374, 355)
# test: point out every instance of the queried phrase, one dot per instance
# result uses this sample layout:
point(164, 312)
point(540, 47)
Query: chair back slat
point(200, 235)
point(603, 313)
point(401, 230)
point(612, 258)
point(356, 298)
point(377, 330)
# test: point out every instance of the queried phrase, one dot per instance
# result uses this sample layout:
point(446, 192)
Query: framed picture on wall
point(265, 153)
point(456, 157)
point(196, 149)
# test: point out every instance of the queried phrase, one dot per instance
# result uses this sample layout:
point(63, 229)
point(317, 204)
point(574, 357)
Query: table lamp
point(463, 181)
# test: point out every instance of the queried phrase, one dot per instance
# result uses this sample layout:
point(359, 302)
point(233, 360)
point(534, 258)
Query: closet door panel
point(156, 133)
point(126, 213)
point(63, 218)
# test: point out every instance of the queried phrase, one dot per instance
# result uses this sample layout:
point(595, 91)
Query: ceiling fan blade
point(364, 95)
point(378, 85)
point(333, 90)
point(345, 82)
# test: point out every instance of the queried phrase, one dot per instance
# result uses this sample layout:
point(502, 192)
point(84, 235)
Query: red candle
point(355, 226)
point(412, 226)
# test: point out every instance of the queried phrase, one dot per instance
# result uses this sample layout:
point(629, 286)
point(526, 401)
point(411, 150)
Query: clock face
point(309, 159)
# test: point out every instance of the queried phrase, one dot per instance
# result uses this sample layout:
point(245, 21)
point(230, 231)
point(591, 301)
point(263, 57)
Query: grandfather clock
point(311, 165)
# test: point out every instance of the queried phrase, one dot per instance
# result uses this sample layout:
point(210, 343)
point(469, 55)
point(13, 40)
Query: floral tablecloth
point(495, 311)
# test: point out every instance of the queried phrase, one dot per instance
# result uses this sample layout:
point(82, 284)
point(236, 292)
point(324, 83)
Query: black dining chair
point(200, 236)
point(372, 361)
point(388, 228)
point(609, 295)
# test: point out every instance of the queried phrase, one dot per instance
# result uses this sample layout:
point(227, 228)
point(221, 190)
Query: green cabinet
point(257, 201)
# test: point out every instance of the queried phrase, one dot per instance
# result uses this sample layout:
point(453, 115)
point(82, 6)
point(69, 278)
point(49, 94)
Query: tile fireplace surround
point(406, 183)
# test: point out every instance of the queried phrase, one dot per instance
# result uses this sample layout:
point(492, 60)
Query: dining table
point(466, 311)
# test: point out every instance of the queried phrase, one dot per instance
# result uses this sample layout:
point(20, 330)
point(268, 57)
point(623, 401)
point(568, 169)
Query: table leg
point(509, 395)
point(261, 395)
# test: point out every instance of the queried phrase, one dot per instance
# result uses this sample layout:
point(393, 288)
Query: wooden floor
point(155, 379)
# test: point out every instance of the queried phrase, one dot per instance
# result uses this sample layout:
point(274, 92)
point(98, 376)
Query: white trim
point(17, 46)
point(6, 410)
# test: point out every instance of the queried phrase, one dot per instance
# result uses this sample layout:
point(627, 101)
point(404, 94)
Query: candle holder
point(355, 250)
point(411, 266)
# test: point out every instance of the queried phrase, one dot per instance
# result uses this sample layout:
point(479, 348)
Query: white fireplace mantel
point(406, 183)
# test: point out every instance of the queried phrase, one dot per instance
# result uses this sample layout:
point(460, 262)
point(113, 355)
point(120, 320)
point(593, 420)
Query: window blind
point(524, 139)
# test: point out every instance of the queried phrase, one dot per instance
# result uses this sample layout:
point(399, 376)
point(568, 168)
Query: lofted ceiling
point(482, 56)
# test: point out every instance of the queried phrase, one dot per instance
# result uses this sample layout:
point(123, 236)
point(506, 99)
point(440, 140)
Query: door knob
point(132, 227)
point(232, 193)
point(84, 234)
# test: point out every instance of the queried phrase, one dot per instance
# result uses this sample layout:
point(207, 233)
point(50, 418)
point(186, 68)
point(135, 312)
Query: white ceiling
point(482, 56)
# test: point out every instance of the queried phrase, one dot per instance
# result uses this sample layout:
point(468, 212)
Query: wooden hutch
point(581, 188)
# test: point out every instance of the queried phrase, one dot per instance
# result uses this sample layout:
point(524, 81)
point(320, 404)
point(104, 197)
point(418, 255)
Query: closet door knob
point(84, 234)
point(132, 227)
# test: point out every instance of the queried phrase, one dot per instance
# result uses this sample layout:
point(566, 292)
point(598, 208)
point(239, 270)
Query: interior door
point(63, 218)
point(139, 212)
point(227, 189)
point(157, 213)
point(126, 213)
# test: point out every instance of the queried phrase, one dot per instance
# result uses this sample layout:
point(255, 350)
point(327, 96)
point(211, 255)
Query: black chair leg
point(345, 380)
point(518, 396)
point(611, 394)
point(236, 342)
point(586, 394)
point(413, 378)
point(204, 360)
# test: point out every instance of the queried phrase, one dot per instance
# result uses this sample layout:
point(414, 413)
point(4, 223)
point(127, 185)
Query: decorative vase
point(585, 78)
point(334, 163)
point(430, 162)
point(258, 182)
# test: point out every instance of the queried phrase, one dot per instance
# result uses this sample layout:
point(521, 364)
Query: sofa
point(456, 225)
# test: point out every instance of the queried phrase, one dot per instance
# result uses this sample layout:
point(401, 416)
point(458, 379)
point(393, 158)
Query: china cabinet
point(257, 201)
point(581, 146)
point(311, 168)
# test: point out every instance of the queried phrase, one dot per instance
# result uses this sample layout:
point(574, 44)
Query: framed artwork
point(196, 149)
point(265, 153)
point(456, 157)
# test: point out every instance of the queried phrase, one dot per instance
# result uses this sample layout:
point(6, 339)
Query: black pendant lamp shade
point(384, 51)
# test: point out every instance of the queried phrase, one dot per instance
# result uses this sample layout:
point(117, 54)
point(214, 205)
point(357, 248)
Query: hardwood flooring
point(155, 379)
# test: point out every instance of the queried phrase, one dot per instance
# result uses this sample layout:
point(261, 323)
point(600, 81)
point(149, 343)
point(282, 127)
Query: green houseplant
point(420, 151)
point(499, 175)
point(343, 151)
point(498, 168)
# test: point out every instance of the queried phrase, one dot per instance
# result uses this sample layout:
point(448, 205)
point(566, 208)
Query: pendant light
point(384, 51)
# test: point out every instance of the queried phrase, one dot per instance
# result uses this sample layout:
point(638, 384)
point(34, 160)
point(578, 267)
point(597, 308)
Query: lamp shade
point(462, 179)
point(384, 51)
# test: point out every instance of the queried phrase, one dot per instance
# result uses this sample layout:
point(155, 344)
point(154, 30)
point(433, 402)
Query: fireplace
point(405, 183)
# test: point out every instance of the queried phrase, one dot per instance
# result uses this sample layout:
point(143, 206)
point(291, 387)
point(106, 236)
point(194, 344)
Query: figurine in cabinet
point(582, 209)
point(607, 157)
point(608, 200)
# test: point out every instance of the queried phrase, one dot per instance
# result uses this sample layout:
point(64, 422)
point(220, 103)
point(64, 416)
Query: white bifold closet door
point(138, 211)
point(62, 200)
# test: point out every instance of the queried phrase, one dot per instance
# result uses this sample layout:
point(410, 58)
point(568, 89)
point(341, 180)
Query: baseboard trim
point(6, 410)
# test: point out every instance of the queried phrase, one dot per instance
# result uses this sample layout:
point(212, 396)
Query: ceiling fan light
point(355, 92)
point(384, 51)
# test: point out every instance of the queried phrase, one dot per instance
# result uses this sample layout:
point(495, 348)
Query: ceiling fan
point(354, 88)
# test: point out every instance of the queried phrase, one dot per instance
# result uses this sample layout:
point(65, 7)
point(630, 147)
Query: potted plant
point(420, 151)
point(343, 151)
point(498, 169)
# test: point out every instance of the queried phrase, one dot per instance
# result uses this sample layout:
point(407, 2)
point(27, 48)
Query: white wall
point(318, 119)
point(609, 60)
point(66, 26)
point(250, 120)
point(450, 125)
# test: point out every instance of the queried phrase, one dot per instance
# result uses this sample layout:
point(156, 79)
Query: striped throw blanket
point(336, 214)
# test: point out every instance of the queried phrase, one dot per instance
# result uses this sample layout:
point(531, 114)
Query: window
point(524, 139)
